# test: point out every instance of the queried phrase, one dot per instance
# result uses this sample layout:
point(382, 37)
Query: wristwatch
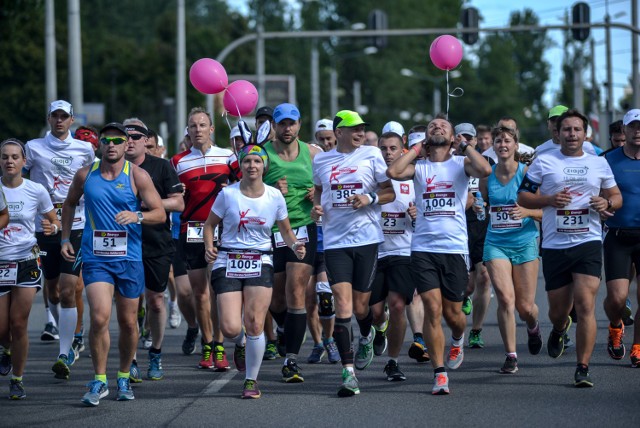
point(140, 216)
point(463, 147)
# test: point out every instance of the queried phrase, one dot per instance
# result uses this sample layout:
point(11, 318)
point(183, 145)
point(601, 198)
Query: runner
point(112, 252)
point(511, 247)
point(52, 161)
point(552, 126)
point(242, 275)
point(290, 172)
point(19, 258)
point(622, 240)
point(566, 184)
point(203, 170)
point(439, 248)
point(350, 183)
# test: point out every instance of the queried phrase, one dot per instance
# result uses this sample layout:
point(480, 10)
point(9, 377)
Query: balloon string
point(235, 102)
point(225, 116)
point(447, 79)
point(456, 93)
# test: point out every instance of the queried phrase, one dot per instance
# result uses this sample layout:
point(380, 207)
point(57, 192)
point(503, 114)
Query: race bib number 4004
point(110, 243)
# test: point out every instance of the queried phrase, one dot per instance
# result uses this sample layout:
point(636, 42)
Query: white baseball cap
point(324, 125)
point(631, 116)
point(61, 105)
point(235, 132)
point(416, 137)
point(393, 127)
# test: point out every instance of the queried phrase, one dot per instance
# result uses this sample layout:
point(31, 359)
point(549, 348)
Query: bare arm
point(289, 237)
point(316, 211)
point(475, 165)
point(76, 190)
point(210, 251)
point(174, 202)
point(386, 193)
point(403, 168)
point(4, 218)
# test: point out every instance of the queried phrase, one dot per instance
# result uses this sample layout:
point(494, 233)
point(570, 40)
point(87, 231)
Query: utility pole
point(181, 75)
point(50, 54)
point(610, 102)
point(635, 78)
point(75, 56)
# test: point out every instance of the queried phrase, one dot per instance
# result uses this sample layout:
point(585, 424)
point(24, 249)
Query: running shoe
point(97, 390)
point(291, 372)
point(175, 318)
point(349, 385)
point(78, 344)
point(440, 384)
point(220, 362)
point(418, 351)
point(467, 305)
point(145, 339)
point(475, 339)
point(614, 344)
point(627, 315)
point(556, 341)
point(250, 389)
point(155, 371)
point(380, 340)
point(534, 341)
point(49, 333)
point(270, 351)
point(125, 393)
point(455, 357)
point(635, 356)
point(239, 358)
point(567, 342)
point(281, 344)
point(16, 390)
point(364, 355)
point(189, 342)
point(60, 368)
point(332, 350)
point(393, 372)
point(141, 314)
point(316, 354)
point(510, 365)
point(5, 363)
point(72, 356)
point(582, 377)
point(134, 373)
point(207, 358)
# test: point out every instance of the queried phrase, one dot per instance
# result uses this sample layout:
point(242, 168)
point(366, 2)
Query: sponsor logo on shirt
point(583, 170)
point(6, 232)
point(62, 161)
point(57, 181)
point(244, 220)
point(438, 185)
point(15, 207)
point(335, 172)
point(404, 189)
point(120, 186)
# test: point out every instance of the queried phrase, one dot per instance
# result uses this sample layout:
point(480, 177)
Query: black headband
point(140, 129)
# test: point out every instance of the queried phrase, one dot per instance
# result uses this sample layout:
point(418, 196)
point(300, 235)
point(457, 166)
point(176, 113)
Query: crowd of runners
point(257, 243)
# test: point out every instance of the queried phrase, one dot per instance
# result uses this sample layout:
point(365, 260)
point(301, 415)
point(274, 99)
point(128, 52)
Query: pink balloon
point(240, 98)
point(446, 52)
point(208, 76)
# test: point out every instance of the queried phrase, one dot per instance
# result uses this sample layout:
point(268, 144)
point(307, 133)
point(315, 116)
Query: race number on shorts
point(243, 265)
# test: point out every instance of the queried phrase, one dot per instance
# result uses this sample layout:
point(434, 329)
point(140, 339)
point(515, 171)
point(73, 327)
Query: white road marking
point(216, 385)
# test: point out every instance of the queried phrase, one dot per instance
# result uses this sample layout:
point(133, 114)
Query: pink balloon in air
point(446, 52)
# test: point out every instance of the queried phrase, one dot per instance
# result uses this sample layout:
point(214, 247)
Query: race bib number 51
point(110, 243)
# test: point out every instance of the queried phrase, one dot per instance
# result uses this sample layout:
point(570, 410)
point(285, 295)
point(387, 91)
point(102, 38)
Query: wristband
point(295, 245)
point(64, 241)
point(374, 198)
point(463, 147)
point(55, 229)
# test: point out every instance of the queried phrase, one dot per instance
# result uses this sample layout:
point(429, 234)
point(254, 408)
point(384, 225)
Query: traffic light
point(378, 21)
point(470, 19)
point(581, 14)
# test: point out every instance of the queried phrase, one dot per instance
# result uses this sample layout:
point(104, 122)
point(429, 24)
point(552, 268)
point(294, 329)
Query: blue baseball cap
point(286, 111)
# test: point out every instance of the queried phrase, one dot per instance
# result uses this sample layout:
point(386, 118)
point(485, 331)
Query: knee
point(525, 308)
point(231, 329)
point(397, 306)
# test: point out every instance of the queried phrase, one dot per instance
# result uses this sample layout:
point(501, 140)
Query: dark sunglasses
point(115, 140)
point(136, 137)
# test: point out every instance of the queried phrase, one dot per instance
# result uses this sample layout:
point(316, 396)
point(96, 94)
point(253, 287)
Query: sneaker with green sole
point(364, 355)
point(467, 306)
point(349, 385)
point(475, 339)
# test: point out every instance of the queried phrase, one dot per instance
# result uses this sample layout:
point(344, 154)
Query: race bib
point(501, 217)
point(9, 273)
point(572, 221)
point(340, 193)
point(474, 184)
point(439, 204)
point(243, 265)
point(195, 232)
point(394, 223)
point(58, 207)
point(302, 235)
point(110, 243)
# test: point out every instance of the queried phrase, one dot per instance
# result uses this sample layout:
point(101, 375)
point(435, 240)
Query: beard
point(438, 140)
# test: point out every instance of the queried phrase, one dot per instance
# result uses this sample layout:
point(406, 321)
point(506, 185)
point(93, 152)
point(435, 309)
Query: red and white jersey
point(203, 176)
point(342, 175)
point(441, 197)
point(25, 202)
point(583, 176)
point(247, 222)
point(53, 163)
point(397, 225)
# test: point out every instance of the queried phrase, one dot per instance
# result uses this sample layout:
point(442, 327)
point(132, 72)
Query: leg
point(397, 323)
point(311, 306)
point(502, 275)
point(21, 301)
point(186, 301)
point(68, 312)
point(614, 303)
point(127, 312)
point(481, 296)
point(157, 315)
point(201, 293)
point(99, 297)
point(230, 313)
point(298, 275)
point(79, 304)
point(432, 303)
point(525, 279)
point(585, 287)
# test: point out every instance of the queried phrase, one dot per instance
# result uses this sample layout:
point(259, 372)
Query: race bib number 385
point(340, 193)
point(110, 243)
point(572, 221)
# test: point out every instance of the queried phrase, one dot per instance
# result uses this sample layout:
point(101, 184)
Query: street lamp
point(333, 105)
point(435, 80)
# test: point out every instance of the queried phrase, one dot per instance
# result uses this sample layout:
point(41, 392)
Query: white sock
point(458, 342)
point(172, 304)
point(254, 352)
point(55, 309)
point(66, 328)
point(50, 318)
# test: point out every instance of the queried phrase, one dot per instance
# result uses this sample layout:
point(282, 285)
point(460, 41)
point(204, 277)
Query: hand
point(300, 250)
point(412, 211)
point(126, 217)
point(476, 208)
point(67, 252)
point(210, 254)
point(561, 199)
point(358, 201)
point(598, 203)
point(316, 212)
point(282, 185)
point(47, 227)
point(311, 191)
point(517, 213)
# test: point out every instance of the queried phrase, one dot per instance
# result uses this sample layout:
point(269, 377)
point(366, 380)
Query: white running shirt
point(342, 175)
point(441, 196)
point(25, 202)
point(583, 176)
point(522, 148)
point(53, 163)
point(397, 225)
point(247, 222)
point(549, 145)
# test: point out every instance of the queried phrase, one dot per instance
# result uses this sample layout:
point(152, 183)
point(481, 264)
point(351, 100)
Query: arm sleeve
point(3, 201)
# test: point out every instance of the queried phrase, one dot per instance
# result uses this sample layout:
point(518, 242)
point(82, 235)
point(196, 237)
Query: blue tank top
point(103, 239)
point(627, 174)
point(502, 230)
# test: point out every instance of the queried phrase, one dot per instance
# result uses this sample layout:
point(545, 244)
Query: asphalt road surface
point(540, 394)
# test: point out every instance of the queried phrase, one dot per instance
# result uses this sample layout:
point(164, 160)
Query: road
point(540, 394)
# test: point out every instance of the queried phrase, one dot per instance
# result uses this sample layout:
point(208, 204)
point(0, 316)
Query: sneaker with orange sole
point(635, 355)
point(615, 347)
